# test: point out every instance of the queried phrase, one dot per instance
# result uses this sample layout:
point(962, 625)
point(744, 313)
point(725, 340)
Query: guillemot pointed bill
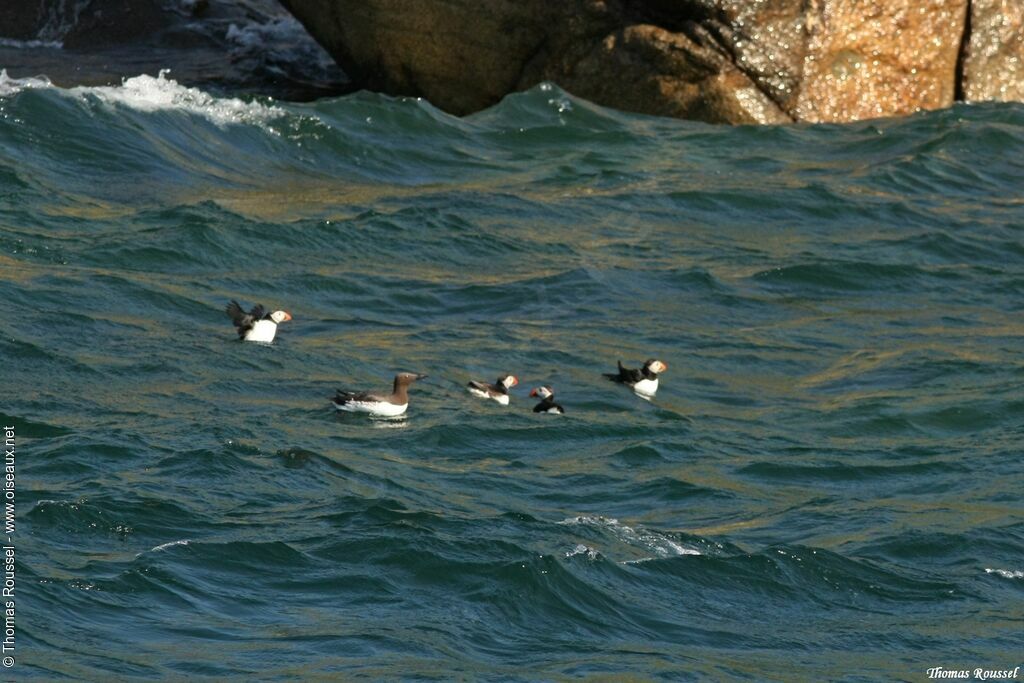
point(643, 381)
point(547, 403)
point(497, 391)
point(378, 404)
point(257, 325)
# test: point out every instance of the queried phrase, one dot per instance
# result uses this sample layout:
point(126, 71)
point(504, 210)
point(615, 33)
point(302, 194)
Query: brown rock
point(462, 55)
point(868, 58)
point(736, 61)
point(767, 41)
point(465, 55)
point(647, 69)
point(994, 56)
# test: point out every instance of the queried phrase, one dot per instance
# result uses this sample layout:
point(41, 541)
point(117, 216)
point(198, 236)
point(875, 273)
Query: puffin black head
point(653, 366)
point(278, 316)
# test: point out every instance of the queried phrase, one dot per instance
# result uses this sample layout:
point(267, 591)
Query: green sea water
point(827, 485)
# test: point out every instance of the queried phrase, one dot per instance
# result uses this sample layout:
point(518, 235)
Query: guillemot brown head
point(400, 394)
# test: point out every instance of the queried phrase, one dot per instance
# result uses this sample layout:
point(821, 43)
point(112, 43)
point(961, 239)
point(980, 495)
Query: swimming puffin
point(643, 381)
point(497, 391)
point(547, 404)
point(381, 405)
point(257, 325)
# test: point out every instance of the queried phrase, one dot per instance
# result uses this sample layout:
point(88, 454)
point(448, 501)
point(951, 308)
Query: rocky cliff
point(731, 61)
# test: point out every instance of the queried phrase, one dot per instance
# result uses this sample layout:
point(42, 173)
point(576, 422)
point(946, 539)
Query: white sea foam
point(11, 86)
point(660, 544)
point(165, 546)
point(581, 549)
point(148, 94)
point(1005, 573)
point(31, 44)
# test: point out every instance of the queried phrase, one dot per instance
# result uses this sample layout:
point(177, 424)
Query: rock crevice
point(961, 55)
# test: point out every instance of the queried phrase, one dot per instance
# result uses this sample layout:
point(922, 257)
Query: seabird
point(547, 404)
point(257, 325)
point(497, 391)
point(382, 405)
point(643, 381)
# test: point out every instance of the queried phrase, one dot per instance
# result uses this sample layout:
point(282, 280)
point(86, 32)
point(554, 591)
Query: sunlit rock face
point(993, 67)
point(731, 61)
point(843, 60)
point(869, 58)
point(647, 56)
point(768, 41)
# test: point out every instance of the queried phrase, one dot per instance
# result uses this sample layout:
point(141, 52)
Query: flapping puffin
point(381, 405)
point(547, 403)
point(257, 325)
point(497, 391)
point(643, 381)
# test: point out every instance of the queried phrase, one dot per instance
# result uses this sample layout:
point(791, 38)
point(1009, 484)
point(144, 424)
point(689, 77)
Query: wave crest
point(148, 94)
point(12, 86)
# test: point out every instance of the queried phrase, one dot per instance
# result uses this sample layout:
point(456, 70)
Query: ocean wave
point(12, 86)
point(169, 544)
point(828, 467)
point(1006, 573)
point(148, 94)
point(661, 544)
point(584, 550)
point(821, 276)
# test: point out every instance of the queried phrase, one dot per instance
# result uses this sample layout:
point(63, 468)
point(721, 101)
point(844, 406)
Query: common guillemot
point(643, 381)
point(257, 325)
point(381, 405)
point(497, 391)
point(547, 404)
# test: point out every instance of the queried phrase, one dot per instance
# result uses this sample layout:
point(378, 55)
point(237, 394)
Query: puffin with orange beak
point(643, 381)
point(257, 325)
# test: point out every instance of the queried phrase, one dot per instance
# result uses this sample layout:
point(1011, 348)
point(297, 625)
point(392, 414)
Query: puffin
point(378, 404)
point(257, 325)
point(547, 403)
point(643, 381)
point(497, 391)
